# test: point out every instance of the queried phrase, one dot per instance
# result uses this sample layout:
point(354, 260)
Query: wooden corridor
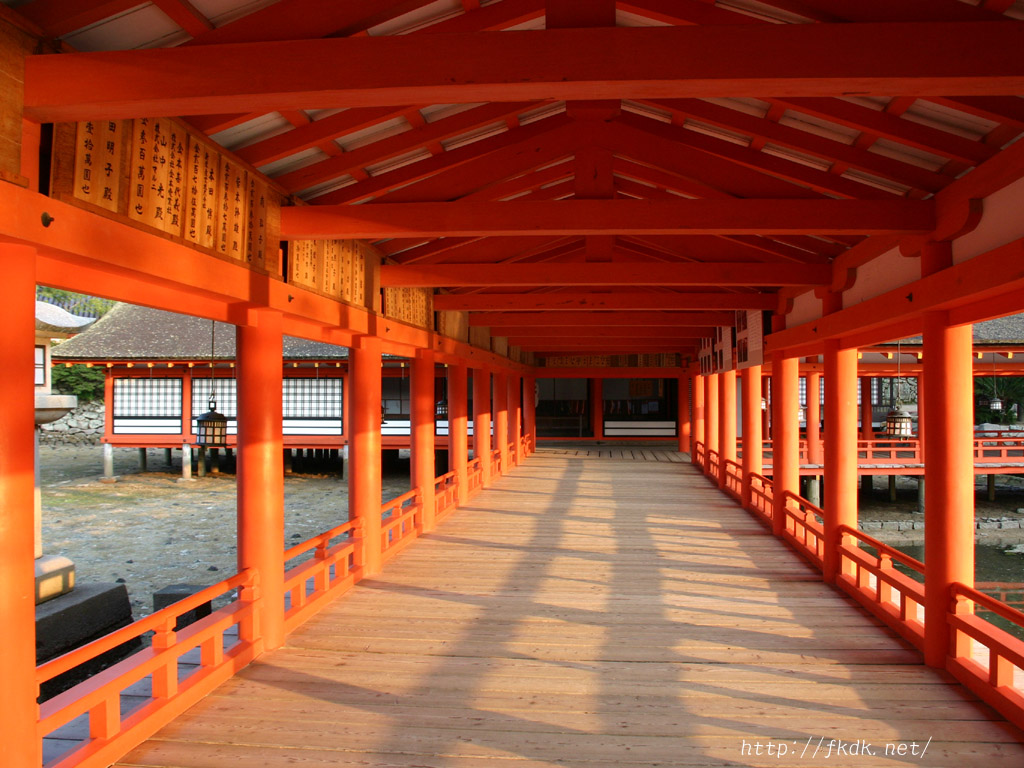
point(588, 612)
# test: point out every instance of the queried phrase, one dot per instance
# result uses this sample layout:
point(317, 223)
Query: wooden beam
point(602, 217)
point(575, 301)
point(613, 274)
point(652, 319)
point(596, 333)
point(603, 63)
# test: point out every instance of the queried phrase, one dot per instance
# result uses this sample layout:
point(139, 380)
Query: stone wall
point(83, 426)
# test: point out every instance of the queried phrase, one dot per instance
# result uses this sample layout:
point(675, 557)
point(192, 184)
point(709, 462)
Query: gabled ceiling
point(884, 151)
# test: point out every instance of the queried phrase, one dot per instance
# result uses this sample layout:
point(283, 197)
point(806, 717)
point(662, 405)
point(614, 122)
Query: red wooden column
point(597, 408)
point(785, 435)
point(814, 452)
point(18, 708)
point(482, 422)
point(753, 454)
point(766, 415)
point(866, 432)
point(711, 422)
point(530, 412)
point(261, 466)
point(949, 476)
point(422, 406)
point(726, 422)
point(683, 406)
point(515, 417)
point(697, 436)
point(364, 484)
point(501, 417)
point(840, 450)
point(458, 441)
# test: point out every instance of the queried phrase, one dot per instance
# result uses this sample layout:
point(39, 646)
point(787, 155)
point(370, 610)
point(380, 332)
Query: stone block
point(175, 592)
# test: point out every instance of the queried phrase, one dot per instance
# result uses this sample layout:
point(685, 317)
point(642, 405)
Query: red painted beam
point(610, 333)
point(575, 301)
point(599, 217)
point(650, 319)
point(604, 63)
point(613, 274)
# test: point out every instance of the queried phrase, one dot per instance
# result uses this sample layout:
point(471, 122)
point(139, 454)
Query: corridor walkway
point(587, 612)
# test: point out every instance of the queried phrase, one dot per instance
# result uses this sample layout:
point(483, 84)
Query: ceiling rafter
point(647, 319)
point(575, 301)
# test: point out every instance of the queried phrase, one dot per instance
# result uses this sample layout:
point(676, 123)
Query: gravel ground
point(150, 530)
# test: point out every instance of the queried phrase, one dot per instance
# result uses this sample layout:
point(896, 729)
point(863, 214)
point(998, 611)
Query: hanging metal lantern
point(212, 428)
point(441, 409)
point(764, 403)
point(995, 404)
point(898, 423)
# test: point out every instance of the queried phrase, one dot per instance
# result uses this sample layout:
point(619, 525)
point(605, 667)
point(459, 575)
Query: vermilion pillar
point(726, 421)
point(364, 485)
point(949, 476)
point(261, 466)
point(683, 405)
point(18, 709)
point(530, 412)
point(515, 417)
point(698, 436)
point(482, 422)
point(814, 417)
point(753, 459)
point(785, 435)
point(421, 397)
point(597, 407)
point(867, 432)
point(501, 417)
point(458, 442)
point(711, 423)
point(840, 450)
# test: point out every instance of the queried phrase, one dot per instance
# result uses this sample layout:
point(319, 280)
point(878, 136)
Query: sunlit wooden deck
point(585, 612)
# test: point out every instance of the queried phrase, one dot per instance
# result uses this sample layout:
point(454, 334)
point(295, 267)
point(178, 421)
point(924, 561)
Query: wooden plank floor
point(589, 612)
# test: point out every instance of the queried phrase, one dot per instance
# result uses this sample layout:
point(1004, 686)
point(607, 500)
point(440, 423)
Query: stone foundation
point(83, 426)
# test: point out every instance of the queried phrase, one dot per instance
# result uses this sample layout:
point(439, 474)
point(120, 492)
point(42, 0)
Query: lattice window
point(153, 398)
point(40, 366)
point(312, 398)
point(226, 397)
point(395, 396)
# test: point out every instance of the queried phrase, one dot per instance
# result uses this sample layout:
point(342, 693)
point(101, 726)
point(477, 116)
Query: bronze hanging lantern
point(995, 404)
point(212, 427)
point(898, 423)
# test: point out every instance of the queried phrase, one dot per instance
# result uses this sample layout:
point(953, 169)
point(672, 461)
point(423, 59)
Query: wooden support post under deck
point(501, 417)
point(530, 412)
point(422, 406)
point(698, 436)
point(683, 430)
point(785, 435)
point(482, 422)
point(597, 407)
point(364, 481)
point(18, 708)
point(841, 450)
point(753, 452)
point(261, 467)
point(711, 418)
point(949, 473)
point(458, 441)
point(726, 422)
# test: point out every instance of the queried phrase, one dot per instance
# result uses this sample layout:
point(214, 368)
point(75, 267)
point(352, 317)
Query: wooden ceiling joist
point(605, 63)
point(648, 319)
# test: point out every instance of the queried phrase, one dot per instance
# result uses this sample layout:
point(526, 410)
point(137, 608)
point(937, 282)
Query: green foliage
point(1010, 390)
point(79, 380)
point(75, 303)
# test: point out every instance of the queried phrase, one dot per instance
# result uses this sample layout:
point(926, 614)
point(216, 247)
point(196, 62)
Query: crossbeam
point(600, 319)
point(602, 63)
point(635, 273)
point(603, 217)
point(576, 301)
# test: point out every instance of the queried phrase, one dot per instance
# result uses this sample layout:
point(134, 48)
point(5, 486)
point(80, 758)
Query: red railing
point(475, 475)
point(804, 527)
point(445, 495)
point(334, 568)
point(700, 453)
point(401, 524)
point(762, 497)
point(998, 449)
point(734, 479)
point(997, 677)
point(894, 597)
point(714, 466)
point(174, 684)
point(889, 451)
point(495, 462)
